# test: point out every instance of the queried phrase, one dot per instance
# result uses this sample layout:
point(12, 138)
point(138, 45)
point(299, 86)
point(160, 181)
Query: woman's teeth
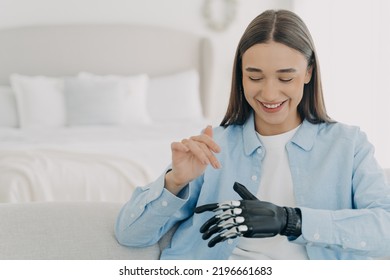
point(272, 106)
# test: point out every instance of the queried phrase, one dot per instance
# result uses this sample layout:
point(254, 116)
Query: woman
point(305, 187)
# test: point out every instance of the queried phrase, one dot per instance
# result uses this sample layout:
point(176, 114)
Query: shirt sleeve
point(150, 213)
point(363, 229)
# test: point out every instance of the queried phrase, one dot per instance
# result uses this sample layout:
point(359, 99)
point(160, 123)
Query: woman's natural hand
point(190, 158)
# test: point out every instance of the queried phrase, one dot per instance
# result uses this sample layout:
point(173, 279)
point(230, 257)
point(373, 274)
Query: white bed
point(88, 112)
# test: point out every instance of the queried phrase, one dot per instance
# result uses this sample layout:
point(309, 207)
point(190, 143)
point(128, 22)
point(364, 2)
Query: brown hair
point(287, 28)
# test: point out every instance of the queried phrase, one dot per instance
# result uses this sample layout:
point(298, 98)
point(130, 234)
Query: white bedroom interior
point(352, 40)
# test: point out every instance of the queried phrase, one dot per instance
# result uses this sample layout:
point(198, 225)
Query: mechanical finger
point(228, 205)
point(223, 225)
point(206, 207)
point(218, 206)
point(220, 217)
point(210, 222)
point(214, 229)
point(243, 192)
point(229, 234)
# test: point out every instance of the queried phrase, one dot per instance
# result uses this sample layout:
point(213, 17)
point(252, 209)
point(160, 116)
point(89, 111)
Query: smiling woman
point(293, 44)
point(276, 167)
point(273, 79)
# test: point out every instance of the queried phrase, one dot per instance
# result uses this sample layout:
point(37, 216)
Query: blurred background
point(352, 39)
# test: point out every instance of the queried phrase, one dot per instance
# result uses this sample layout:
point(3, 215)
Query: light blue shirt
point(338, 185)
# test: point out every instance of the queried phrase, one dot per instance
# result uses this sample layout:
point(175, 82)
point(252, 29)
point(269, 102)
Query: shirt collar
point(304, 137)
point(251, 141)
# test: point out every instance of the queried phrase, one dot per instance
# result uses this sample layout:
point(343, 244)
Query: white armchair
point(64, 230)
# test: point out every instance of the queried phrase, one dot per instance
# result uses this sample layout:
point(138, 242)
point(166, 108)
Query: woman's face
point(273, 77)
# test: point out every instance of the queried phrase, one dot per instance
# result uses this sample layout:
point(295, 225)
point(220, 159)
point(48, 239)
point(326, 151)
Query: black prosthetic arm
point(248, 217)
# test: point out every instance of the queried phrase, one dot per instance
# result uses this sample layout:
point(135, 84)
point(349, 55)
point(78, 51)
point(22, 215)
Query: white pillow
point(136, 88)
point(40, 100)
point(8, 111)
point(94, 102)
point(175, 97)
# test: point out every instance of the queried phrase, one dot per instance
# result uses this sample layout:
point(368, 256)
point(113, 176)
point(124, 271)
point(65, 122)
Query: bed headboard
point(65, 50)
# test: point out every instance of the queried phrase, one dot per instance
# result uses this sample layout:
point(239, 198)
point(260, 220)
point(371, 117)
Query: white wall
point(353, 42)
point(179, 14)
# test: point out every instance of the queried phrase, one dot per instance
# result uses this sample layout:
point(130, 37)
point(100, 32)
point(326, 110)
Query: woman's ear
point(309, 73)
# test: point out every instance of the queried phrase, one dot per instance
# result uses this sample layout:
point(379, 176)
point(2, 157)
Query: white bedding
point(86, 163)
point(45, 153)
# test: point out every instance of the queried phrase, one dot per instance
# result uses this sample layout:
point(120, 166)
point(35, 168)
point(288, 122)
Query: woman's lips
point(272, 107)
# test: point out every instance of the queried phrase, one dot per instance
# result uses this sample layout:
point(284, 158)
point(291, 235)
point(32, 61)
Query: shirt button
point(258, 151)
point(141, 207)
point(363, 244)
point(132, 215)
point(164, 203)
point(254, 178)
point(316, 236)
point(230, 241)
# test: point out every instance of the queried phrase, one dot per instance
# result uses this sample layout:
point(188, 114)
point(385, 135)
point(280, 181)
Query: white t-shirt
point(276, 186)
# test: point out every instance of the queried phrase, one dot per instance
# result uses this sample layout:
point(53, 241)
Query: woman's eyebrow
point(253, 69)
point(258, 70)
point(287, 70)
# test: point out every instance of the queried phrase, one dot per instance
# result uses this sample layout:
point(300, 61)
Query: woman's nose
point(269, 91)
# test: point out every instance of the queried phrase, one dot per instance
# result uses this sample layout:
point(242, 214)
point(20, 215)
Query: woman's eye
point(286, 80)
point(255, 78)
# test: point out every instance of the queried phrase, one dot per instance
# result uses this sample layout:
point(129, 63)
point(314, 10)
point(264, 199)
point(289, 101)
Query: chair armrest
point(64, 230)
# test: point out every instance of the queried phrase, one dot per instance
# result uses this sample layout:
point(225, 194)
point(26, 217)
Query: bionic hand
point(248, 217)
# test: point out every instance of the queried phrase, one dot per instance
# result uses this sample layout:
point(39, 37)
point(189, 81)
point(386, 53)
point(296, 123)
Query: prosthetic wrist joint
point(294, 222)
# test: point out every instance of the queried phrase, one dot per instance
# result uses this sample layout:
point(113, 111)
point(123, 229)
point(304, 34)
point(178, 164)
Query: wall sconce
point(219, 14)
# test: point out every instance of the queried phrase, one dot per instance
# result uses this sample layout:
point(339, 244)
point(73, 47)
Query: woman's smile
point(273, 107)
